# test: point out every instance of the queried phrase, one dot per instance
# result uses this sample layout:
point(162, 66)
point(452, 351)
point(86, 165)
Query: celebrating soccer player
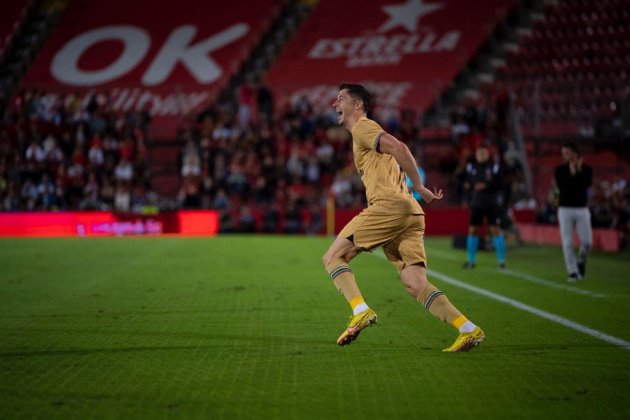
point(393, 220)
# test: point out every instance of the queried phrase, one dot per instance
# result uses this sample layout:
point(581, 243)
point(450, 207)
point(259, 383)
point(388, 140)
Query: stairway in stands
point(565, 65)
point(569, 78)
point(482, 70)
point(36, 19)
point(565, 61)
point(163, 154)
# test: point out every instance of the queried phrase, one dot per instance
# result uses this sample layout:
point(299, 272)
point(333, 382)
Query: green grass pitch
point(245, 327)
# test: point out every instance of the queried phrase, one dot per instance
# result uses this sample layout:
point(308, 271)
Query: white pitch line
point(538, 280)
point(539, 312)
point(527, 308)
point(524, 276)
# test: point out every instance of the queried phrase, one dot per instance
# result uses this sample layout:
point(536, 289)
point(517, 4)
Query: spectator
point(264, 97)
point(96, 155)
point(91, 194)
point(35, 155)
point(247, 222)
point(46, 193)
point(245, 105)
point(122, 198)
point(81, 135)
point(107, 194)
point(123, 173)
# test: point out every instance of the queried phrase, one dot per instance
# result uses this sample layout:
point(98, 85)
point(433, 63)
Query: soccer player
point(483, 180)
point(393, 220)
point(573, 178)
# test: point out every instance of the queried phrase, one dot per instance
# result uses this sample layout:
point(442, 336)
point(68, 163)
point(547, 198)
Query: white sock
point(360, 308)
point(467, 327)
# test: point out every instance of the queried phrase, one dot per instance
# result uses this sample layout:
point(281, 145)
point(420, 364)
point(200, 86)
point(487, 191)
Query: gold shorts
point(400, 235)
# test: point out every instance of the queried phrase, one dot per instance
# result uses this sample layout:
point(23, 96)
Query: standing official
point(573, 179)
point(483, 181)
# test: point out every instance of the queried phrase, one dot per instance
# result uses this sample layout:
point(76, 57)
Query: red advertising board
point(104, 223)
point(171, 57)
point(405, 51)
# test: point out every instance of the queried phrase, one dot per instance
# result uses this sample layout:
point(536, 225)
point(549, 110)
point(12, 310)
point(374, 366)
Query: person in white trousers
point(573, 179)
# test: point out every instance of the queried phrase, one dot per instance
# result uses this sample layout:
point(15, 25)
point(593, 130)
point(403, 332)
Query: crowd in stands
point(72, 152)
point(271, 165)
point(272, 170)
point(266, 173)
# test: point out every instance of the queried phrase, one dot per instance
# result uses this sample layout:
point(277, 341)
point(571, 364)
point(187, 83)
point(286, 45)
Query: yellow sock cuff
point(459, 321)
point(356, 301)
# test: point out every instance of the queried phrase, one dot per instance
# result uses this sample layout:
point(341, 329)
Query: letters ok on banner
point(168, 57)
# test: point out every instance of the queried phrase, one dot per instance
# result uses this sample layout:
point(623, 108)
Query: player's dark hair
point(573, 147)
point(358, 93)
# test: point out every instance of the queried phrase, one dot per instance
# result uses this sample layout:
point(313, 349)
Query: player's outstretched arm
point(390, 145)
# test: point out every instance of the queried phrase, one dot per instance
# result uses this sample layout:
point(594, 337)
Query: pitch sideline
point(548, 283)
point(527, 308)
point(525, 277)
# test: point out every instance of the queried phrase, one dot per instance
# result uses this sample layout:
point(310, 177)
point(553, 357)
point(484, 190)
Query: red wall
point(439, 220)
point(603, 239)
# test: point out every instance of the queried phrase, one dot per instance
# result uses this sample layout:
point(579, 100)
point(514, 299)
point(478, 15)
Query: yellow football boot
point(466, 341)
point(357, 323)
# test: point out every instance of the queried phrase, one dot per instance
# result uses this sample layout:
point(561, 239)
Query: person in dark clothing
point(573, 179)
point(484, 183)
point(264, 96)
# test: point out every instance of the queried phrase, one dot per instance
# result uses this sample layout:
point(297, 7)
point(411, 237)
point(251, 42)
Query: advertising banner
point(168, 57)
point(404, 51)
point(105, 223)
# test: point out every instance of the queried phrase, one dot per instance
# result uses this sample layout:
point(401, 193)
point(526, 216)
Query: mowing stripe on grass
point(549, 283)
point(445, 255)
point(524, 307)
point(524, 276)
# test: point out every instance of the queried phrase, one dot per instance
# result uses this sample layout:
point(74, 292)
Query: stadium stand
point(27, 25)
point(71, 152)
point(171, 61)
point(13, 16)
point(569, 73)
point(262, 145)
point(387, 48)
point(567, 78)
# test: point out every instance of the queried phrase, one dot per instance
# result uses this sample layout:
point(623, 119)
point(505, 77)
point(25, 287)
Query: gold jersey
point(384, 180)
